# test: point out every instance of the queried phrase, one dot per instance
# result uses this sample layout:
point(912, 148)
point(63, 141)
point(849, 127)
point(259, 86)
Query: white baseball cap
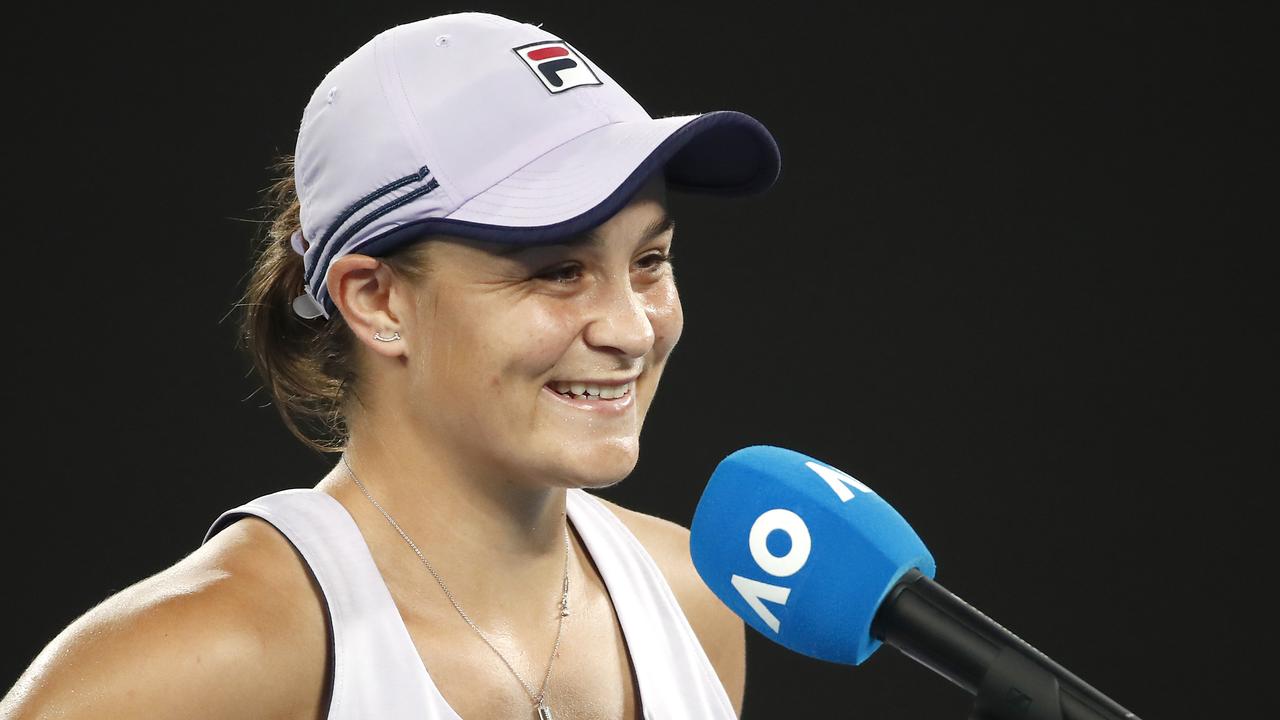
point(482, 127)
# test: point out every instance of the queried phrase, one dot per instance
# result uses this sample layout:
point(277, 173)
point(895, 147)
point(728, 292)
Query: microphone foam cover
point(803, 552)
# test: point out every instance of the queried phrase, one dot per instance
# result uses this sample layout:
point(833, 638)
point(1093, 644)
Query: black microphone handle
point(927, 623)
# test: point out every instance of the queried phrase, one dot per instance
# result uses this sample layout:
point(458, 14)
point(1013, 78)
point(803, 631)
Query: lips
point(594, 405)
point(591, 390)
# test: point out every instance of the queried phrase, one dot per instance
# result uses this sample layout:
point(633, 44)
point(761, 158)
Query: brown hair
point(308, 366)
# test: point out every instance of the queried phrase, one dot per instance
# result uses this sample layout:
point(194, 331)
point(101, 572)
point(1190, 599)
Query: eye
point(654, 261)
point(563, 274)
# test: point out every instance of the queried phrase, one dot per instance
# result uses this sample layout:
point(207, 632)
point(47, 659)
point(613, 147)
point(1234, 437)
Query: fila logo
point(557, 65)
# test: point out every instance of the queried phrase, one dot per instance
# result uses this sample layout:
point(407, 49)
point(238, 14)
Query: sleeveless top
point(377, 671)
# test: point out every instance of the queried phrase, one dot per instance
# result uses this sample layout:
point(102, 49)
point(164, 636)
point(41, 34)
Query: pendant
point(544, 712)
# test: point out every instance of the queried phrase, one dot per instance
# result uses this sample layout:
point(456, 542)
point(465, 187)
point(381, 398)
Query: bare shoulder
point(720, 631)
point(234, 629)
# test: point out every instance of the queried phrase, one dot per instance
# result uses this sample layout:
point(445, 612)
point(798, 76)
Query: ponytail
point(303, 364)
point(307, 365)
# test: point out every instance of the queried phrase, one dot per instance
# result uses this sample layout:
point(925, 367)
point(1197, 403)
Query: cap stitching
point(322, 246)
point(379, 212)
point(419, 139)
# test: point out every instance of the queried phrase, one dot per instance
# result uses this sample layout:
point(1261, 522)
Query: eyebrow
point(659, 226)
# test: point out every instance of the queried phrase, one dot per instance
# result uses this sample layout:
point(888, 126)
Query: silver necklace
point(539, 698)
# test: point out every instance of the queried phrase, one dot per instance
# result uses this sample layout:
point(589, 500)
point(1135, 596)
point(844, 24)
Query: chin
point(602, 467)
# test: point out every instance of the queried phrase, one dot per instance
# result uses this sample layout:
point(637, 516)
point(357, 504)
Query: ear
point(371, 299)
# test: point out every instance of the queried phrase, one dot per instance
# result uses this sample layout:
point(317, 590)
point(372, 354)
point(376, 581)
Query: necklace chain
point(539, 697)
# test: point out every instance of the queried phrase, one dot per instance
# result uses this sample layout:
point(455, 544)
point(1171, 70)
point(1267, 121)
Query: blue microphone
point(816, 561)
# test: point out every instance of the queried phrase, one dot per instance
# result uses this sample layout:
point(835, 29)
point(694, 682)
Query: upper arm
point(186, 643)
point(720, 631)
point(129, 657)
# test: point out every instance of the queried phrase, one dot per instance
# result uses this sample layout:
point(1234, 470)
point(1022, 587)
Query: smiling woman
point(466, 290)
point(488, 336)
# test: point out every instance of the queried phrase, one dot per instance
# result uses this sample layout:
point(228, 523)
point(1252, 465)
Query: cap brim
point(585, 181)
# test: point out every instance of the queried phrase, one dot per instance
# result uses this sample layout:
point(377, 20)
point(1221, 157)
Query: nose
point(621, 320)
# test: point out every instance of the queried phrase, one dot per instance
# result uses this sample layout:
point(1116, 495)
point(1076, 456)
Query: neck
point(486, 534)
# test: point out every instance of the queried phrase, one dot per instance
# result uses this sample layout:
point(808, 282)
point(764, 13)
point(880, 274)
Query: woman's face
point(498, 329)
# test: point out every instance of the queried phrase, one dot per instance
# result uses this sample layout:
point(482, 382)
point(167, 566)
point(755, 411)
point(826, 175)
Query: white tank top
point(377, 672)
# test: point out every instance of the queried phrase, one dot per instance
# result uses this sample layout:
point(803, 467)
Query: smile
point(592, 390)
point(603, 399)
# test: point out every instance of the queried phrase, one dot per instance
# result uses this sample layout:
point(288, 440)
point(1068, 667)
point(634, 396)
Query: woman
point(466, 290)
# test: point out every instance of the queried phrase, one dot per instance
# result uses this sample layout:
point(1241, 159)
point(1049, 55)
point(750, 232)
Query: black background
point(1011, 276)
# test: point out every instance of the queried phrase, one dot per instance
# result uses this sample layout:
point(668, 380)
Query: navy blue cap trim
point(352, 210)
point(734, 155)
point(382, 210)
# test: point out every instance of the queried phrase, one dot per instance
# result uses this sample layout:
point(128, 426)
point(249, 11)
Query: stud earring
point(393, 338)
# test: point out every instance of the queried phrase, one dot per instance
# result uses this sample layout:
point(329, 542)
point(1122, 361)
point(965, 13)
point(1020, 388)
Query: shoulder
point(229, 631)
point(719, 630)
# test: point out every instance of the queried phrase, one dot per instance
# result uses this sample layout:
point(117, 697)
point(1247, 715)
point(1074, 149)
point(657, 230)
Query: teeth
point(602, 392)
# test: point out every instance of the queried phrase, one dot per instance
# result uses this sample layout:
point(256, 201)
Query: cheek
point(539, 336)
point(491, 342)
point(667, 317)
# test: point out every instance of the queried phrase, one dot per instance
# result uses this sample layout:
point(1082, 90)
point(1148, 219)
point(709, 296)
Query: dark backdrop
point(1008, 277)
